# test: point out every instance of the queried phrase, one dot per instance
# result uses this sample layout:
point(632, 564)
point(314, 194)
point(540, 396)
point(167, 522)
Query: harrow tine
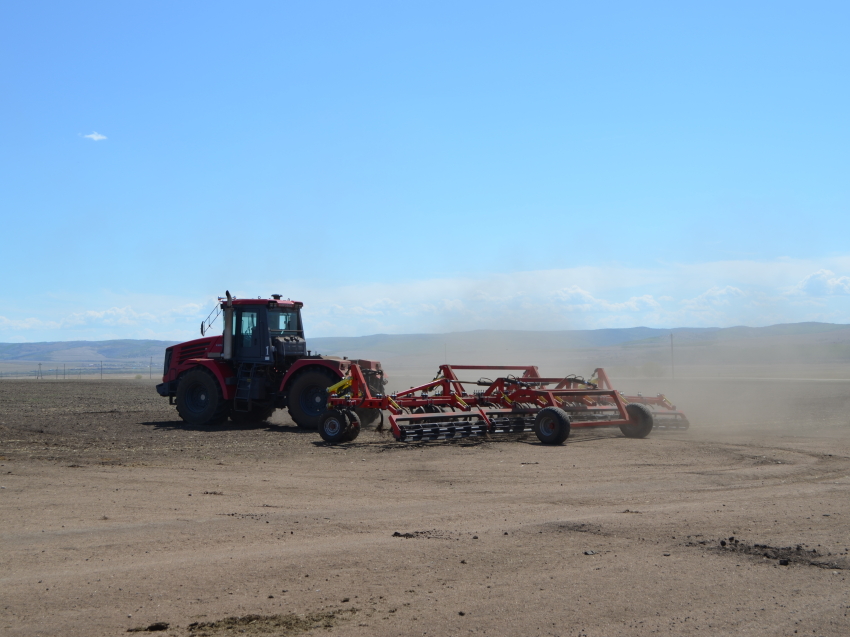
point(424, 428)
point(671, 420)
point(444, 430)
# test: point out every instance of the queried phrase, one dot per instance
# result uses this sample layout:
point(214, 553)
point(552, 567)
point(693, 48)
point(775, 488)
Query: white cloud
point(78, 324)
point(717, 294)
point(7, 324)
point(822, 283)
point(577, 299)
point(714, 297)
point(95, 136)
point(697, 295)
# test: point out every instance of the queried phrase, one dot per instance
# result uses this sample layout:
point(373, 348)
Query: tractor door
point(251, 340)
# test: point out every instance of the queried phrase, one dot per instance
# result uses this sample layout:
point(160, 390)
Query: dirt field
point(117, 516)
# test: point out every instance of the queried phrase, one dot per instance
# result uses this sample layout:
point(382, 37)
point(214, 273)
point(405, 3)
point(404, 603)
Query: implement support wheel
point(552, 426)
point(353, 426)
point(333, 426)
point(642, 418)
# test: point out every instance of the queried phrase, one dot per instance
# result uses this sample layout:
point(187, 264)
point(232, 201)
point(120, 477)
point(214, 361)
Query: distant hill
point(804, 342)
point(567, 338)
point(84, 351)
point(631, 351)
point(394, 344)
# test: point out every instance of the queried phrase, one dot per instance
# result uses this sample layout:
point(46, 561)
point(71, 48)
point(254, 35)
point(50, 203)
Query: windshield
point(284, 323)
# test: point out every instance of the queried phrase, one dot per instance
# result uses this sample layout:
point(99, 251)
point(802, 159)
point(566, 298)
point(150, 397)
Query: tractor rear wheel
point(641, 415)
point(333, 426)
point(200, 401)
point(552, 426)
point(308, 397)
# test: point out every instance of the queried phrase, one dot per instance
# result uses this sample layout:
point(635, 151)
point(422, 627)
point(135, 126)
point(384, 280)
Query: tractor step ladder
point(244, 379)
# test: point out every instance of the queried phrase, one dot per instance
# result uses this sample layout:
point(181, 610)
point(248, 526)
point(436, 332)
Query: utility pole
point(672, 357)
point(150, 369)
point(101, 370)
point(38, 373)
point(63, 371)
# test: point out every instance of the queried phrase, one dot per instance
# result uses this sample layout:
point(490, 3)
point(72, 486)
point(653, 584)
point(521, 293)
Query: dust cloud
point(791, 379)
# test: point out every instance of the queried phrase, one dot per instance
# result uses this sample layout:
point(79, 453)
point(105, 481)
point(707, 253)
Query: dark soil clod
point(785, 554)
point(287, 624)
point(155, 627)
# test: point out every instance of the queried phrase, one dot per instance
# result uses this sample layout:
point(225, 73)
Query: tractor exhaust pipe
point(227, 350)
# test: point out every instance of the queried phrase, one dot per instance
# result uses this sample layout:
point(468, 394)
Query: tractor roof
point(281, 303)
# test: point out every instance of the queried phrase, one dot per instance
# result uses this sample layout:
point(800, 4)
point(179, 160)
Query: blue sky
point(423, 166)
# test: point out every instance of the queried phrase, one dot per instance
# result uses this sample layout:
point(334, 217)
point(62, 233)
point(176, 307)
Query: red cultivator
point(444, 409)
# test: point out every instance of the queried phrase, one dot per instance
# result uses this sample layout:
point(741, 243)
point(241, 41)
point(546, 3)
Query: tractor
point(258, 364)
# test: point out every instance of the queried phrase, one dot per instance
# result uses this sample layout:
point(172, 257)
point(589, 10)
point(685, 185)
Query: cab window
point(247, 325)
point(283, 323)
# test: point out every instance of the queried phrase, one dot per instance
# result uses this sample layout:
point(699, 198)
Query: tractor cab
point(267, 332)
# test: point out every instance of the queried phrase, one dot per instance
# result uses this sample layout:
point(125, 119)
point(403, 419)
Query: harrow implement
point(664, 413)
point(522, 401)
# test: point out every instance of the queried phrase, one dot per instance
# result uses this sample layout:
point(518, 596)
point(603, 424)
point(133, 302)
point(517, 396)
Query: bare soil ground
point(116, 516)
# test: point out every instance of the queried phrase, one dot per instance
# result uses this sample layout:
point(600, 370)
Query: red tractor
point(260, 363)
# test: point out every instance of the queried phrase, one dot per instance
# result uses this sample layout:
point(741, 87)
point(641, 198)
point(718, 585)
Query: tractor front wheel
point(200, 401)
point(308, 397)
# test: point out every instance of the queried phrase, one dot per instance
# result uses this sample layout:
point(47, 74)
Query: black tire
point(552, 426)
point(200, 401)
point(333, 426)
point(353, 426)
point(308, 397)
point(257, 414)
point(642, 417)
